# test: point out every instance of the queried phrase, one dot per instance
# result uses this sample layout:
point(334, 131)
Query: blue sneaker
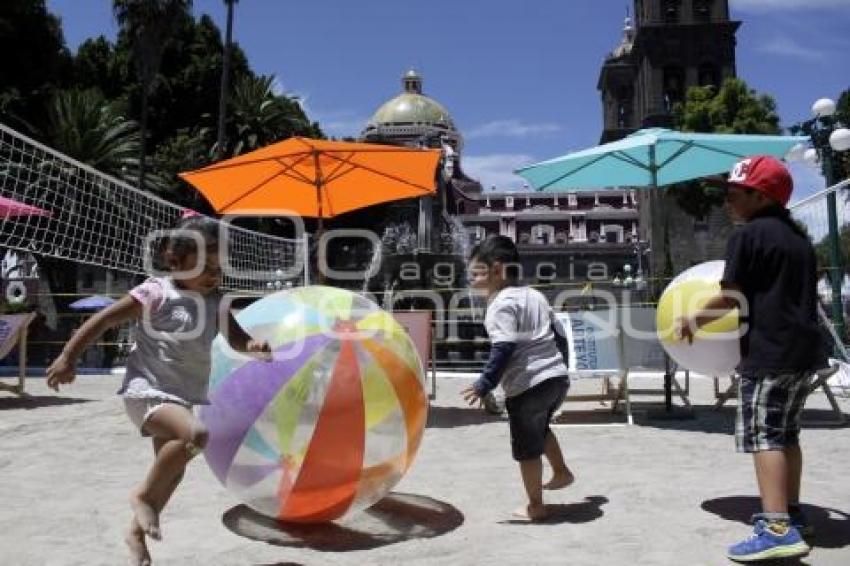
point(765, 544)
point(800, 522)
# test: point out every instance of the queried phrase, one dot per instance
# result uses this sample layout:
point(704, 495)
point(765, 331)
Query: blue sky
point(519, 78)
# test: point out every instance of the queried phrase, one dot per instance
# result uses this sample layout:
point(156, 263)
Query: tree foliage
point(35, 61)
point(51, 100)
point(261, 117)
point(733, 109)
point(94, 131)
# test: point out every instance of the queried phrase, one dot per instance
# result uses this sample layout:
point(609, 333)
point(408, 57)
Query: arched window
point(702, 10)
point(674, 86)
point(625, 98)
point(671, 11)
point(708, 74)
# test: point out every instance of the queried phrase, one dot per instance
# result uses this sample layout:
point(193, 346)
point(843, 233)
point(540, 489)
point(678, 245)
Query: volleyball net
point(56, 206)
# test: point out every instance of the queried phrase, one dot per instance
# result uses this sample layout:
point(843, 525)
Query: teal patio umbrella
point(653, 157)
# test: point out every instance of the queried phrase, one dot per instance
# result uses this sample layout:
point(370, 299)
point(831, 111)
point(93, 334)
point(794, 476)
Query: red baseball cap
point(765, 174)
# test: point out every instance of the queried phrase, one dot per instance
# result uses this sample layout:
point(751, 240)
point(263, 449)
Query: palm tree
point(225, 77)
point(261, 117)
point(148, 24)
point(84, 125)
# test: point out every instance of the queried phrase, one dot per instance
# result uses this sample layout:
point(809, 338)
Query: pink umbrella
point(10, 208)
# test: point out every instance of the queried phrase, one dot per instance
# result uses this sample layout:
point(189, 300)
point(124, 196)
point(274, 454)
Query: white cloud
point(787, 47)
point(496, 170)
point(771, 5)
point(510, 128)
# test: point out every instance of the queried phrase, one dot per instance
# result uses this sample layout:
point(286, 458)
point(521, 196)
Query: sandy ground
point(661, 492)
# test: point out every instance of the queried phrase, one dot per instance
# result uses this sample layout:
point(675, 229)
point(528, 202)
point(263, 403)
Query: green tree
point(148, 24)
point(190, 79)
point(733, 109)
point(99, 64)
point(260, 117)
point(84, 125)
point(34, 62)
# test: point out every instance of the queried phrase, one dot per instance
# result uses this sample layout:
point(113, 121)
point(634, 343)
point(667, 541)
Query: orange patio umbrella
point(316, 178)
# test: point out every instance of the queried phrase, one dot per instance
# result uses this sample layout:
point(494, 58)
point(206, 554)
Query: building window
point(702, 10)
point(612, 233)
point(674, 86)
point(509, 203)
point(542, 234)
point(476, 234)
point(671, 11)
point(708, 75)
point(624, 107)
point(572, 200)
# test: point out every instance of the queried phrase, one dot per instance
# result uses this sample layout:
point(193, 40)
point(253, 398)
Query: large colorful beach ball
point(332, 423)
point(715, 350)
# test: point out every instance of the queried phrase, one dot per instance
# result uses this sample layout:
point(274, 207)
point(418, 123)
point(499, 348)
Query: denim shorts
point(529, 414)
point(769, 409)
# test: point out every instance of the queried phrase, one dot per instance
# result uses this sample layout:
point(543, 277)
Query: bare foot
point(146, 517)
point(532, 512)
point(560, 480)
point(135, 539)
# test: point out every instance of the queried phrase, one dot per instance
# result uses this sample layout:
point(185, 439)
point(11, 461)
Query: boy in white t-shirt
point(527, 358)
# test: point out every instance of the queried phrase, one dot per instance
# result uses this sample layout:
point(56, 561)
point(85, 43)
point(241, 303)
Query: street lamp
point(828, 136)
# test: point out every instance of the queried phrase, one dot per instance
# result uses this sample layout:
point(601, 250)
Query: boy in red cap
point(770, 268)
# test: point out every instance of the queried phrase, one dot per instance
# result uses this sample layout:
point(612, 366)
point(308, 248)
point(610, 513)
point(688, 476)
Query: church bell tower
point(670, 45)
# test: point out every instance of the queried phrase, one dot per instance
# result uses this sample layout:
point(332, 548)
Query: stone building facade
point(671, 46)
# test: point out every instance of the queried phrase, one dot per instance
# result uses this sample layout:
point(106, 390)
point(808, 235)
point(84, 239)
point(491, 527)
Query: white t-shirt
point(522, 315)
point(171, 355)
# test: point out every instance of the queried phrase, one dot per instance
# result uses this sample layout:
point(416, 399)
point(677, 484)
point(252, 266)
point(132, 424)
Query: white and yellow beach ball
point(715, 350)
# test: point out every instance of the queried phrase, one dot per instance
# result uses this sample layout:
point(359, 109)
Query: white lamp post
point(828, 136)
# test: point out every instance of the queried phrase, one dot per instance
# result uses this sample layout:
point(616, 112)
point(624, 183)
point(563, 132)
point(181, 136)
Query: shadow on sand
point(29, 402)
point(451, 417)
point(397, 517)
point(832, 527)
point(706, 419)
point(588, 510)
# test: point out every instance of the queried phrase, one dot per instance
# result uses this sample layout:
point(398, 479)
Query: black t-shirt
point(774, 265)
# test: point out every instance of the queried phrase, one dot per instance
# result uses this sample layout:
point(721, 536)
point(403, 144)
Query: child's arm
point(501, 326)
point(500, 353)
point(62, 369)
point(561, 340)
point(241, 341)
point(718, 306)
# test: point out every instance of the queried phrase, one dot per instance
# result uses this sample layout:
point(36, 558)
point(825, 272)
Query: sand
point(657, 493)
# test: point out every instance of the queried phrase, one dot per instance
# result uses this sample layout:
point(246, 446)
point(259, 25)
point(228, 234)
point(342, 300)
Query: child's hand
point(471, 396)
point(259, 349)
point(683, 329)
point(60, 371)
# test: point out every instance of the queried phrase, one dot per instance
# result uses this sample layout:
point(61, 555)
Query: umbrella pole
point(320, 227)
point(659, 244)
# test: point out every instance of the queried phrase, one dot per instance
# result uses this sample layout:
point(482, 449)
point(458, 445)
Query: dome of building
point(412, 118)
point(412, 108)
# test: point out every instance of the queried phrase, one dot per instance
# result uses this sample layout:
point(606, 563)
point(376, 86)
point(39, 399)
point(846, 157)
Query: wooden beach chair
point(13, 332)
